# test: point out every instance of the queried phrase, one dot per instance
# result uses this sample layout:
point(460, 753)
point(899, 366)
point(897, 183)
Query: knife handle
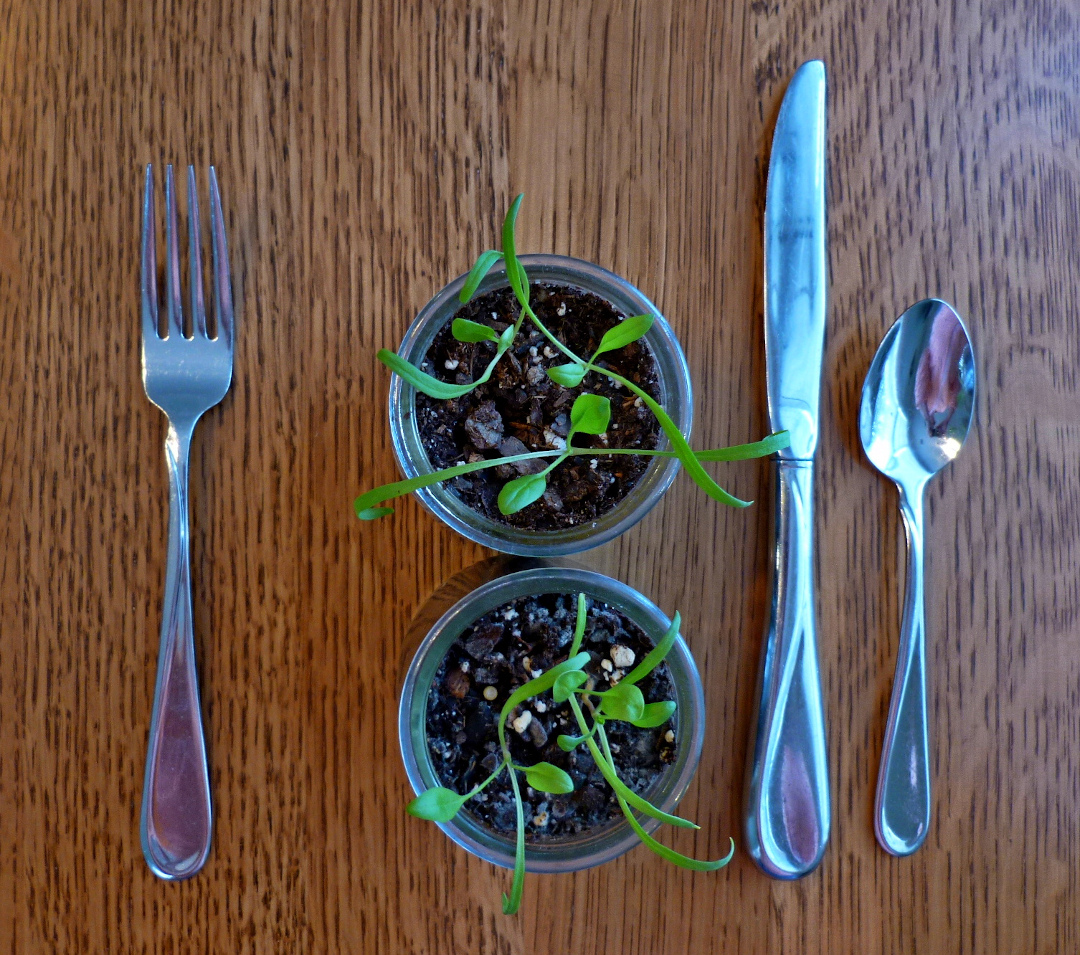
point(787, 810)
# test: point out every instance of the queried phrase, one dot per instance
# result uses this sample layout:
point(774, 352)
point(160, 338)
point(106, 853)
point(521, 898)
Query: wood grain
point(366, 152)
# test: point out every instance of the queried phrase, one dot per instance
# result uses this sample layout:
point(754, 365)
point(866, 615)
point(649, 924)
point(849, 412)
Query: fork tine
point(223, 303)
point(198, 305)
point(172, 268)
point(148, 268)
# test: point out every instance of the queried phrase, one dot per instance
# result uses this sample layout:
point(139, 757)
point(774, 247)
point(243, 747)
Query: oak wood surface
point(366, 152)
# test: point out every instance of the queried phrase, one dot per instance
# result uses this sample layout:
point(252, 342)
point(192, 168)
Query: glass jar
point(675, 397)
point(586, 849)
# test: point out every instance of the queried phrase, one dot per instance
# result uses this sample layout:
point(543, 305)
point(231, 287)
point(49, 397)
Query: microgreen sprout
point(590, 412)
point(592, 709)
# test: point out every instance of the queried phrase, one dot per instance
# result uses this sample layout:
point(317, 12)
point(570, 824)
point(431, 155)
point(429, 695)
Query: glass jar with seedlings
point(541, 405)
point(551, 720)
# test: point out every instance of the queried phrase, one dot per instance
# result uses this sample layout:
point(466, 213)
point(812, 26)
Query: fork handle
point(176, 814)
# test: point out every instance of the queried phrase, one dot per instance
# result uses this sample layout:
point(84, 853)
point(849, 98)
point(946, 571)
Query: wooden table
point(366, 153)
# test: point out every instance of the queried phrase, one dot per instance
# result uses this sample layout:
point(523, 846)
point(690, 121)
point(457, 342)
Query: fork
point(184, 374)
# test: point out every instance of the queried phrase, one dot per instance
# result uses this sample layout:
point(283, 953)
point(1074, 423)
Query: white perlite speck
point(669, 736)
point(522, 722)
point(606, 665)
point(450, 364)
point(621, 656)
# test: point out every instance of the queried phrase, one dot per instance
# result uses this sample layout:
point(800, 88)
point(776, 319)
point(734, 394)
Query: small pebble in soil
point(621, 656)
point(490, 693)
point(457, 683)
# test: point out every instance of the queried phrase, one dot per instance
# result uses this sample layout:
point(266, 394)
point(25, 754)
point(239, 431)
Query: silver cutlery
point(916, 411)
point(787, 814)
point(186, 371)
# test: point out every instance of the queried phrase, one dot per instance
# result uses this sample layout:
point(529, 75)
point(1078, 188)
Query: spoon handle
point(788, 807)
point(902, 809)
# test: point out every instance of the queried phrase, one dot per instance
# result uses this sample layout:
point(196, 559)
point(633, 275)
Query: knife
point(787, 807)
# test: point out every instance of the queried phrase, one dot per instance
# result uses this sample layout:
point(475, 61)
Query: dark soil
point(521, 409)
point(506, 648)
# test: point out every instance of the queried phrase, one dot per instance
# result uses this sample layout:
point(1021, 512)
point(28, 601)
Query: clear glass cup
point(613, 839)
point(675, 398)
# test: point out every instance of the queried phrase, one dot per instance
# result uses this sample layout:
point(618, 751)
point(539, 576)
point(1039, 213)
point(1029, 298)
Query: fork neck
point(178, 437)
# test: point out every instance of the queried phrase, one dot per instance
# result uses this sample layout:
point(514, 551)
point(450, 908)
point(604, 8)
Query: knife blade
point(787, 814)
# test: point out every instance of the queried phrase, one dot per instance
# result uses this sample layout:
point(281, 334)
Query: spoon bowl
point(919, 394)
point(917, 406)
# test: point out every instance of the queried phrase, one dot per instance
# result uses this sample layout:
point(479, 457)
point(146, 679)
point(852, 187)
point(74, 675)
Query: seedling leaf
point(743, 452)
point(465, 330)
point(547, 778)
point(374, 513)
point(677, 858)
point(521, 492)
point(515, 272)
point(365, 507)
point(429, 385)
point(623, 702)
point(568, 375)
point(437, 804)
point(567, 683)
point(476, 275)
point(627, 331)
point(655, 714)
point(590, 414)
point(579, 625)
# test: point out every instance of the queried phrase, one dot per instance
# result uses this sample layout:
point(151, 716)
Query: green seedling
point(592, 709)
point(590, 412)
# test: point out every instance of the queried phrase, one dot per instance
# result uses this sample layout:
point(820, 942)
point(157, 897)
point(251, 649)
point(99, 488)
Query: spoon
point(917, 404)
